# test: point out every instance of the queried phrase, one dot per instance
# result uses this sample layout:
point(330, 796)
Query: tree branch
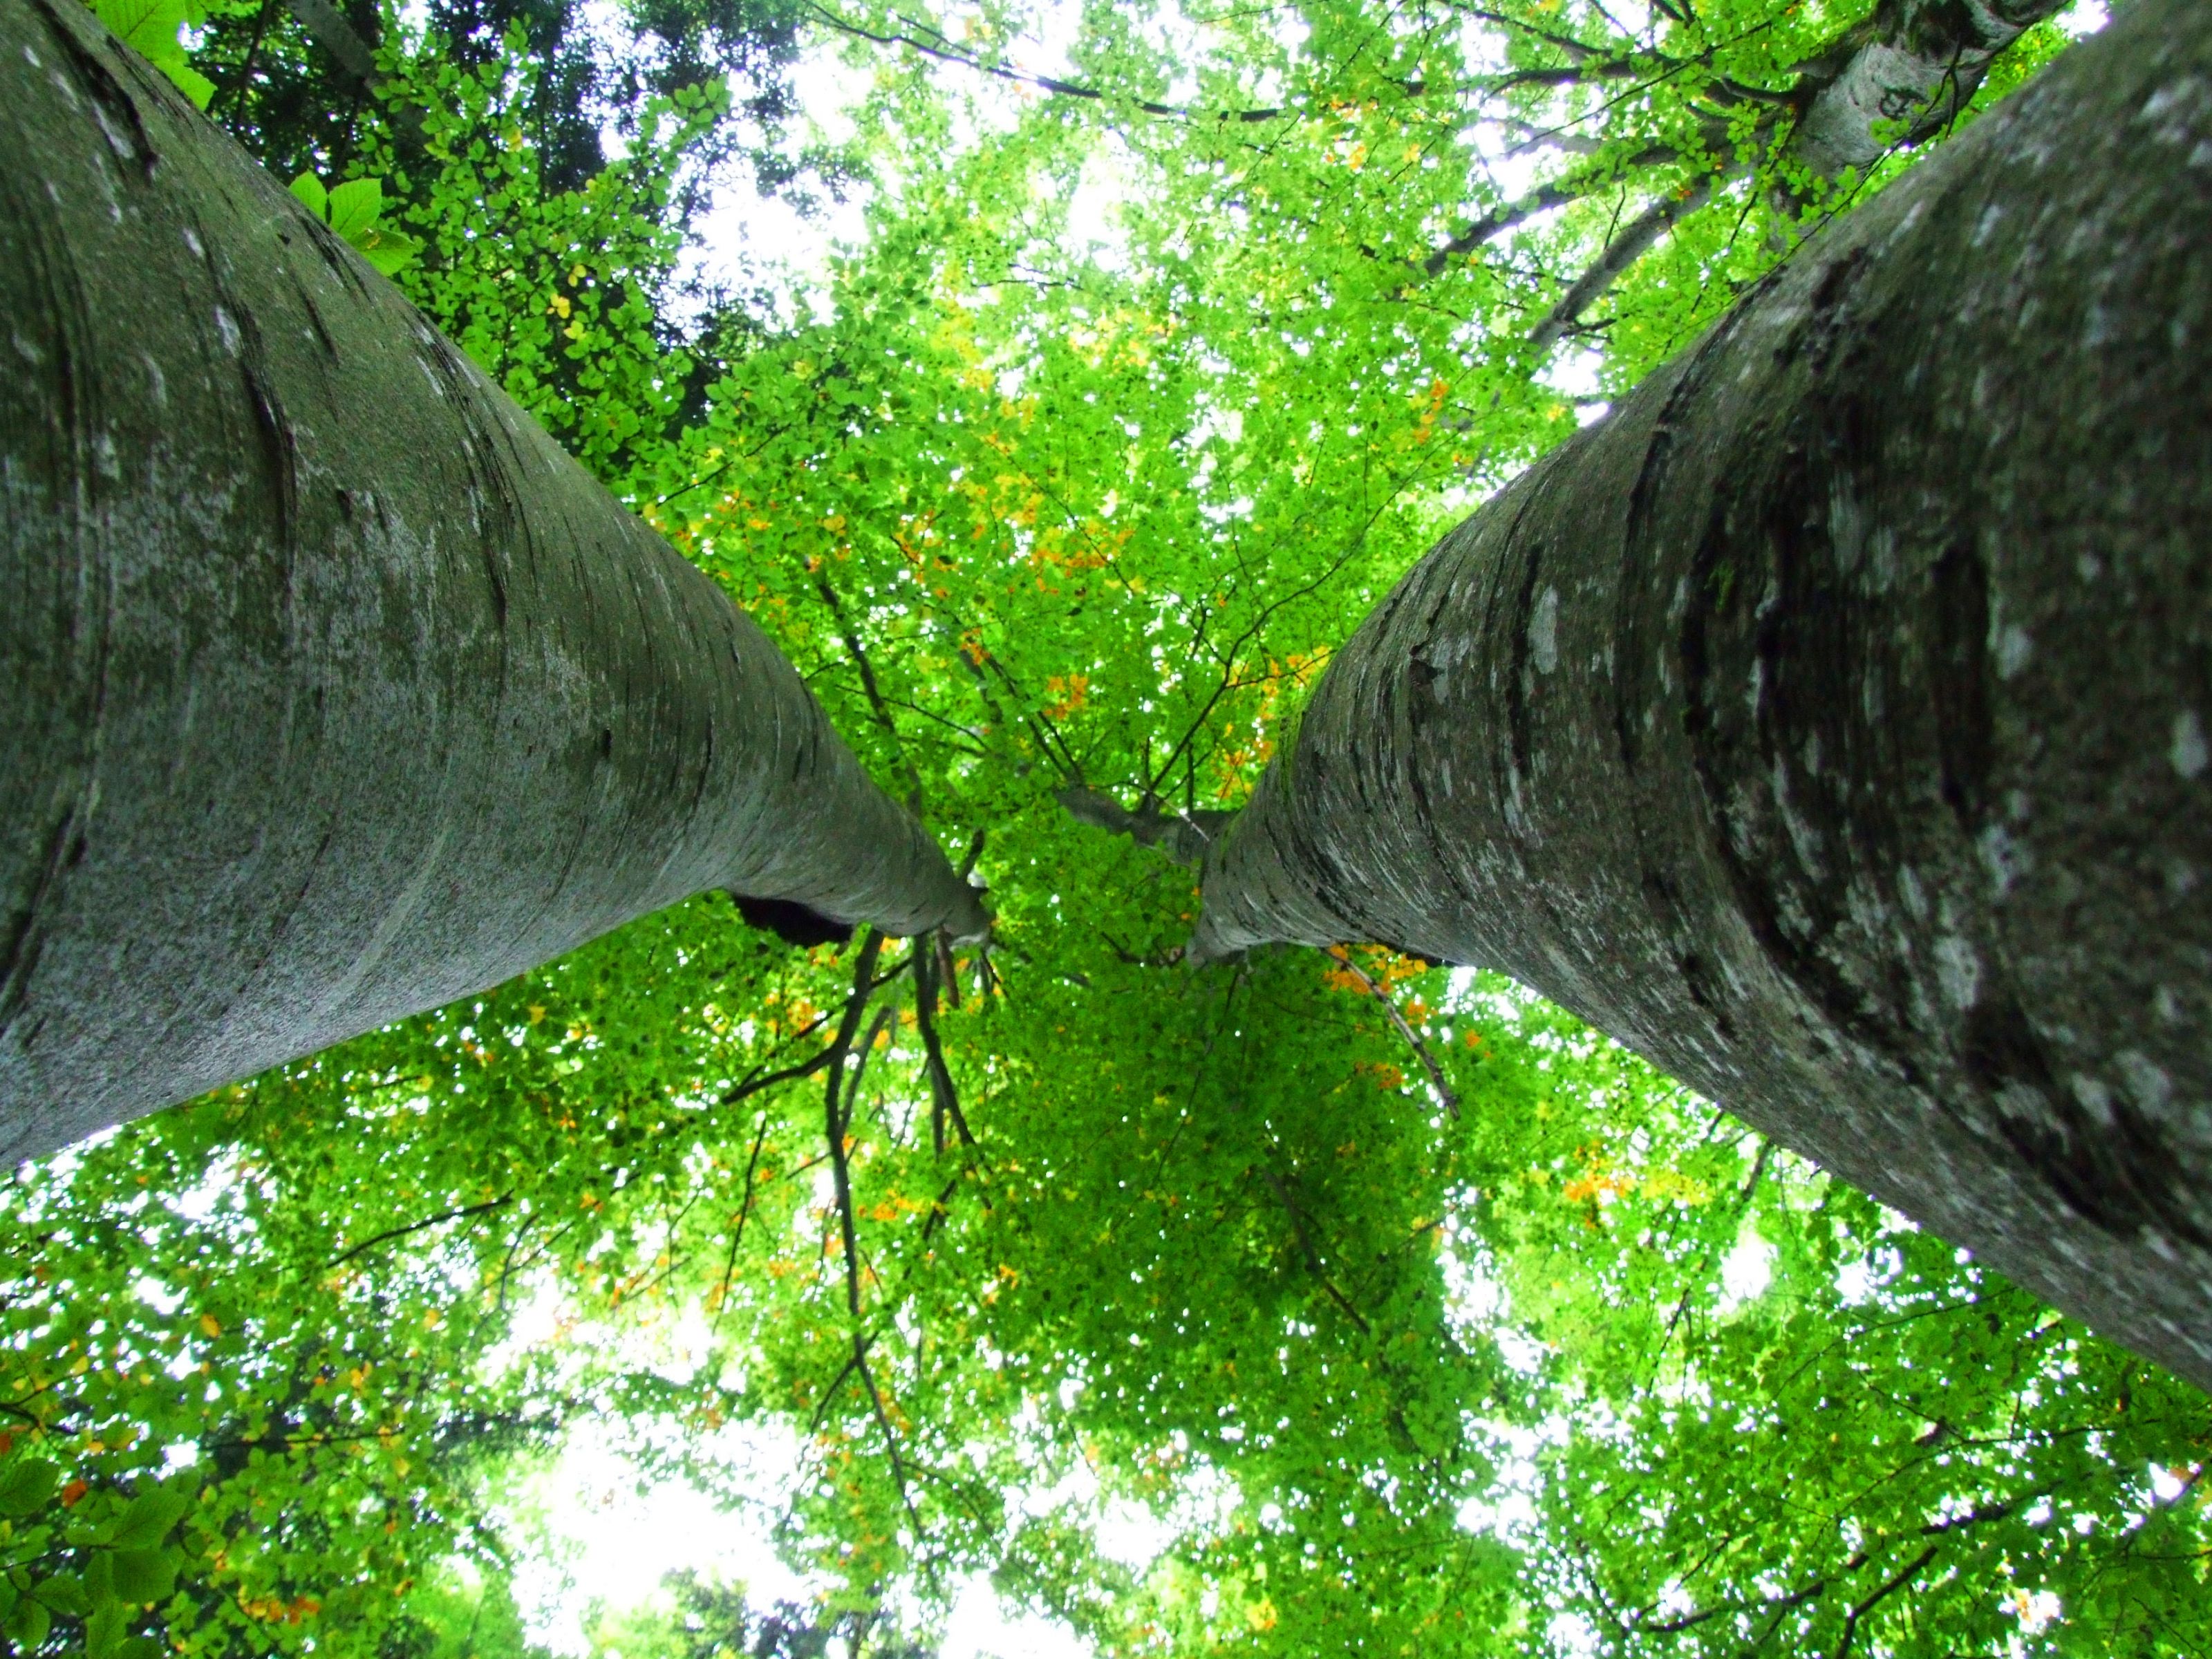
point(1898, 78)
point(946, 52)
point(943, 1098)
point(755, 1080)
point(1313, 1258)
point(389, 1234)
point(1182, 836)
point(1622, 251)
point(355, 57)
point(1542, 199)
point(851, 641)
point(738, 1234)
point(1704, 1262)
point(837, 1118)
point(753, 1085)
point(1904, 1575)
point(337, 37)
point(829, 1394)
point(1444, 1091)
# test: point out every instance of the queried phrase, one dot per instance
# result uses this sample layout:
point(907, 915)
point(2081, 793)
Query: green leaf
point(63, 1594)
point(151, 1514)
point(389, 251)
point(354, 208)
point(103, 1631)
point(148, 26)
point(146, 1574)
point(194, 85)
point(28, 1622)
point(26, 1484)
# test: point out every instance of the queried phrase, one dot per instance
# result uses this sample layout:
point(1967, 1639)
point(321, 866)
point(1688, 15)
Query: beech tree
point(334, 689)
point(1827, 724)
point(1403, 1311)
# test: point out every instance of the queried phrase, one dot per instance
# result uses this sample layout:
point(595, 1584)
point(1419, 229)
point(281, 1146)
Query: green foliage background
point(1415, 1348)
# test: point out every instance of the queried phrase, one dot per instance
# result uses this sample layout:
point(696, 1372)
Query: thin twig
point(1444, 1089)
point(1542, 199)
point(1622, 251)
point(755, 1080)
point(866, 1046)
point(837, 1116)
point(941, 1206)
point(1904, 1576)
point(1313, 1258)
point(391, 1233)
point(948, 972)
point(943, 1098)
point(737, 1233)
point(946, 52)
point(851, 640)
point(835, 1383)
point(1682, 1303)
point(835, 1113)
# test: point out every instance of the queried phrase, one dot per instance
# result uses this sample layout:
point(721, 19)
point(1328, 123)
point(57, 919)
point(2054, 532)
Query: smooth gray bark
point(1182, 837)
point(1830, 724)
point(1900, 78)
point(330, 689)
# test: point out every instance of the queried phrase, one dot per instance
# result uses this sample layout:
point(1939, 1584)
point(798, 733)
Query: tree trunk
point(1900, 78)
point(330, 689)
point(1829, 725)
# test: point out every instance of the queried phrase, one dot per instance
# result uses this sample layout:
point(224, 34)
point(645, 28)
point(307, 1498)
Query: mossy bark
point(1830, 724)
point(331, 689)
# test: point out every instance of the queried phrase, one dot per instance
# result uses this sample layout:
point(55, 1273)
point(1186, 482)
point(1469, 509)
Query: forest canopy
point(1410, 1314)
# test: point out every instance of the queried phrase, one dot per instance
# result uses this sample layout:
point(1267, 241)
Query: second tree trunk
point(1830, 724)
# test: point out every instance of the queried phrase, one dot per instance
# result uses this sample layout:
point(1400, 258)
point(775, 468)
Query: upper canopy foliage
point(1425, 1319)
